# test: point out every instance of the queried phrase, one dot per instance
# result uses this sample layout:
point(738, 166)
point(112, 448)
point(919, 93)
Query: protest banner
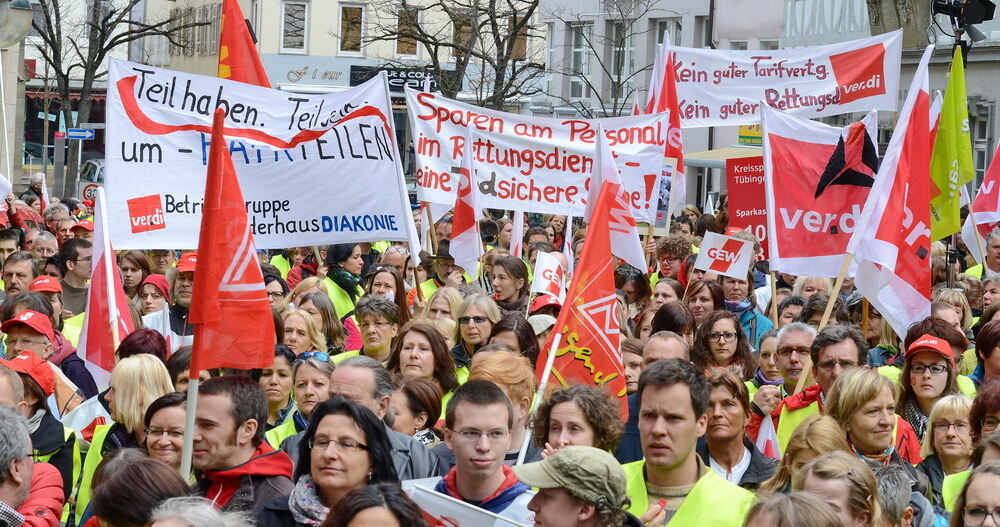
point(725, 255)
point(817, 178)
point(531, 164)
point(746, 204)
point(724, 87)
point(314, 169)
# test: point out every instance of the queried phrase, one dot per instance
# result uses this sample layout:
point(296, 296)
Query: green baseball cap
point(590, 473)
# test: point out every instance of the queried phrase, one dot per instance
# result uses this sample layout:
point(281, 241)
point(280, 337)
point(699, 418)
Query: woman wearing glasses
point(947, 446)
point(165, 429)
point(720, 344)
point(979, 502)
point(476, 317)
point(336, 455)
point(310, 381)
point(928, 375)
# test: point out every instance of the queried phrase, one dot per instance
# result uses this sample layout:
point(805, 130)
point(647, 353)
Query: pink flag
point(767, 440)
point(891, 243)
point(466, 244)
point(108, 319)
point(625, 242)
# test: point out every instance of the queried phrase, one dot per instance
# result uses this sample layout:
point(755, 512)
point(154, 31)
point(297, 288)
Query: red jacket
point(44, 505)
point(272, 468)
point(807, 396)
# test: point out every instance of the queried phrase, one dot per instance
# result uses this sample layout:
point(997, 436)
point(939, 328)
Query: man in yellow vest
point(992, 256)
point(672, 486)
point(446, 273)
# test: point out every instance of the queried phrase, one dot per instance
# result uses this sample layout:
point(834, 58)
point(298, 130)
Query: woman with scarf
point(510, 284)
point(337, 454)
point(343, 280)
point(738, 299)
point(720, 344)
point(767, 372)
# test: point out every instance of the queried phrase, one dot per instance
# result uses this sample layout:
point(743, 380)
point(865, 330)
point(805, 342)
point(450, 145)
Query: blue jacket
point(630, 446)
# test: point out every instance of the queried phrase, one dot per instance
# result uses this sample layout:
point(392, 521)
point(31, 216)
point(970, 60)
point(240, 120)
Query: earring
point(369, 477)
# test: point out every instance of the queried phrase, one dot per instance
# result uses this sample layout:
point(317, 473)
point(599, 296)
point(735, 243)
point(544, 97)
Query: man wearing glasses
point(670, 253)
point(75, 263)
point(478, 423)
point(834, 350)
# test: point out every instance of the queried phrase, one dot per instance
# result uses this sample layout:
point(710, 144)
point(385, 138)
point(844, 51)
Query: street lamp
point(15, 21)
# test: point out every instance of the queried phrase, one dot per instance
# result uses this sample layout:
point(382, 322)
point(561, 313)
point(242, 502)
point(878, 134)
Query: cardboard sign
point(725, 255)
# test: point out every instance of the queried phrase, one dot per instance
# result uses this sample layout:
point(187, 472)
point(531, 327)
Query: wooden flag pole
point(865, 322)
point(774, 297)
point(807, 365)
point(650, 255)
point(432, 231)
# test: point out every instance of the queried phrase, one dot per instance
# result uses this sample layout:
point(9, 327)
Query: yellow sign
point(750, 134)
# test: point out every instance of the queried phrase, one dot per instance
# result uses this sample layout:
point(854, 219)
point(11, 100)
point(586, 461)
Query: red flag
point(892, 242)
point(229, 308)
point(663, 97)
point(238, 58)
point(589, 352)
point(466, 245)
point(106, 321)
point(985, 210)
point(767, 440)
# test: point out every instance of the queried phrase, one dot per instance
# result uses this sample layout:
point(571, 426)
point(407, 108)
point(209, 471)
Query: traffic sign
point(79, 133)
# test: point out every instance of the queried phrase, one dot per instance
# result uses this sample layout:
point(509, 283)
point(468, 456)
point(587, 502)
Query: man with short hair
point(84, 229)
point(54, 213)
point(64, 229)
point(901, 505)
point(661, 345)
point(161, 260)
point(34, 186)
point(672, 484)
point(16, 465)
point(366, 381)
point(44, 246)
point(238, 469)
point(395, 256)
point(75, 262)
point(536, 234)
point(8, 243)
point(172, 321)
point(992, 256)
point(478, 422)
point(834, 350)
point(18, 272)
point(578, 486)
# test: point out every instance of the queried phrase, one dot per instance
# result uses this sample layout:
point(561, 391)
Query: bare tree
point(610, 57)
point(79, 51)
point(482, 46)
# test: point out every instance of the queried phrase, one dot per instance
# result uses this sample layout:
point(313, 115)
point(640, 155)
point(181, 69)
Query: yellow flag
point(951, 160)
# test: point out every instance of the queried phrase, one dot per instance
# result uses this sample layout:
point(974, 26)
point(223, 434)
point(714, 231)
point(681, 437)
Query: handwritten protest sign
point(314, 169)
point(532, 164)
point(719, 87)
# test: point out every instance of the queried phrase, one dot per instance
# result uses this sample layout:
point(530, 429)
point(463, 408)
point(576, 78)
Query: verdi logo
point(146, 214)
point(859, 73)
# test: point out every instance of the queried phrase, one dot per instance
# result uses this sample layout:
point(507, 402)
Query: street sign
point(79, 133)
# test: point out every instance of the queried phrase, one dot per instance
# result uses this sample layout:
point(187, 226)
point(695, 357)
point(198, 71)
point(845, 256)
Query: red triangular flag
point(238, 58)
point(229, 307)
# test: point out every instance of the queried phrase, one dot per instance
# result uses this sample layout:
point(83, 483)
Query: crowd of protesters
point(388, 376)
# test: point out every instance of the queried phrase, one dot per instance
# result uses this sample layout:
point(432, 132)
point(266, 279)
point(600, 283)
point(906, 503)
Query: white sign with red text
point(549, 277)
point(725, 255)
point(722, 87)
point(532, 164)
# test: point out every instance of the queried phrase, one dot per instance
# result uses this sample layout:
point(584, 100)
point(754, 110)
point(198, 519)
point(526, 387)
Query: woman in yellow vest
point(979, 499)
point(988, 450)
point(343, 278)
point(311, 378)
point(276, 382)
point(136, 382)
point(947, 445)
point(420, 352)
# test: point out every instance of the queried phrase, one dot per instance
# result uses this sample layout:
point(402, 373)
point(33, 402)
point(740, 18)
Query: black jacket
point(931, 467)
point(276, 513)
point(630, 446)
point(50, 440)
point(760, 470)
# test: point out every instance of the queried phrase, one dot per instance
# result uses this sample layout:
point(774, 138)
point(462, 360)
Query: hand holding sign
point(725, 255)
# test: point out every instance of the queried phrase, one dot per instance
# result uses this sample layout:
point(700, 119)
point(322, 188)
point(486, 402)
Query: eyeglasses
point(321, 356)
point(990, 424)
point(473, 436)
point(345, 446)
point(788, 350)
point(729, 336)
point(275, 294)
point(476, 320)
point(831, 364)
point(160, 432)
point(935, 369)
point(14, 342)
point(977, 516)
point(943, 426)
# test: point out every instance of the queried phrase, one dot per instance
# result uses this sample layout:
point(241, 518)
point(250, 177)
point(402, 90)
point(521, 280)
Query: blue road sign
point(79, 133)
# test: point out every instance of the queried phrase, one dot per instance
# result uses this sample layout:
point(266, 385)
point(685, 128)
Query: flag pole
point(972, 218)
point(191, 409)
point(543, 384)
point(650, 255)
point(865, 322)
point(807, 365)
point(774, 297)
point(430, 228)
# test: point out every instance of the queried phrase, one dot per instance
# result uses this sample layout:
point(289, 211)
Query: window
point(461, 30)
point(623, 59)
point(351, 19)
point(550, 56)
point(670, 26)
point(578, 87)
point(519, 47)
point(738, 44)
point(294, 16)
point(406, 28)
point(769, 44)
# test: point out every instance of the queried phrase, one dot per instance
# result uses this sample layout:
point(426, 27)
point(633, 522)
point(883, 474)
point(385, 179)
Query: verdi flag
point(951, 160)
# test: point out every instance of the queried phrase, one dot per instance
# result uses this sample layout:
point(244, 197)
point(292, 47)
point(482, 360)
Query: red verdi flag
point(466, 245)
point(985, 211)
point(230, 310)
point(816, 178)
point(238, 58)
point(589, 352)
point(892, 242)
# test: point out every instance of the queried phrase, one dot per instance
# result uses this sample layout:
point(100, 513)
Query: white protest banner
point(441, 510)
point(314, 169)
point(531, 164)
point(725, 255)
point(549, 277)
point(722, 87)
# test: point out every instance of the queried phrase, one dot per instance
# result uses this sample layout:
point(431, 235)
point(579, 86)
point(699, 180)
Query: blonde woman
point(807, 286)
point(136, 382)
point(947, 446)
point(476, 317)
point(817, 435)
point(846, 483)
point(303, 288)
point(444, 303)
point(301, 332)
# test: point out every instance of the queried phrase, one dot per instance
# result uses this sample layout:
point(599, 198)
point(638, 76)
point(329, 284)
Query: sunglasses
point(321, 356)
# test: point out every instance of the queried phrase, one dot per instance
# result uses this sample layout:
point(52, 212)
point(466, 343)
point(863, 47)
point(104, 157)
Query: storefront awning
point(717, 158)
point(55, 95)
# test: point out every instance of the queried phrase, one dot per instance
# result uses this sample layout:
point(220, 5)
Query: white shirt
point(736, 474)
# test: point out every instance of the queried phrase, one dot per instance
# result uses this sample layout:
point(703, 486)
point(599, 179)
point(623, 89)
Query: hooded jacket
point(265, 476)
point(57, 446)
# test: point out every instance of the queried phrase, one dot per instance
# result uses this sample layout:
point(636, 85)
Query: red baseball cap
point(38, 369)
point(85, 225)
point(45, 284)
point(187, 263)
point(34, 320)
point(544, 300)
point(89, 203)
point(931, 343)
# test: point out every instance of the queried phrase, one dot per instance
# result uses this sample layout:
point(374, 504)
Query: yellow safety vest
point(975, 271)
point(713, 501)
point(789, 420)
point(342, 302)
point(967, 364)
point(94, 458)
point(72, 327)
point(77, 468)
point(381, 246)
point(951, 487)
point(278, 434)
point(282, 264)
